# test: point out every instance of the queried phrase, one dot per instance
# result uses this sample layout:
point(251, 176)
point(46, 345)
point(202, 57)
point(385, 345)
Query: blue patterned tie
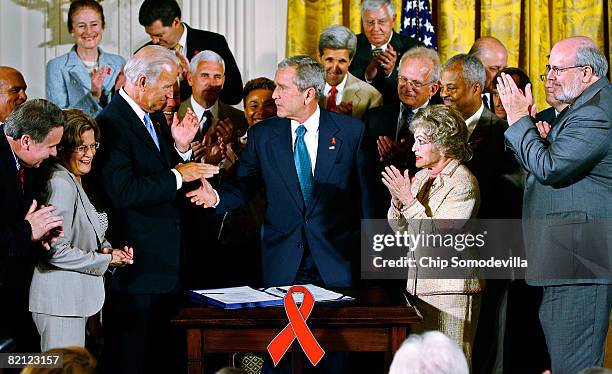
point(302, 163)
point(149, 126)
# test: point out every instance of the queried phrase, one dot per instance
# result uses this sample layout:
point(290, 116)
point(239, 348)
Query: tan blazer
point(363, 96)
point(454, 195)
point(68, 279)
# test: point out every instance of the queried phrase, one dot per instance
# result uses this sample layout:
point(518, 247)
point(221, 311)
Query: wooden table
point(377, 320)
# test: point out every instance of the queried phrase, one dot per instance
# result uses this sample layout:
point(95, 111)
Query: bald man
point(567, 204)
point(12, 91)
point(494, 56)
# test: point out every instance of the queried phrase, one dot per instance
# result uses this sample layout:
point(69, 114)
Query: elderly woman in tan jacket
point(443, 189)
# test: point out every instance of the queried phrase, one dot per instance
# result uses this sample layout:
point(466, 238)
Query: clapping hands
point(120, 257)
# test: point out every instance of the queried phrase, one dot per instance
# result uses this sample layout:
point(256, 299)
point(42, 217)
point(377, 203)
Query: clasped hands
point(389, 149)
point(120, 257)
point(384, 60)
point(399, 186)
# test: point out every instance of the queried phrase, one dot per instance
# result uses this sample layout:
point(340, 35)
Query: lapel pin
point(333, 143)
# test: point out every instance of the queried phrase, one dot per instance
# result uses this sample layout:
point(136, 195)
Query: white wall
point(34, 31)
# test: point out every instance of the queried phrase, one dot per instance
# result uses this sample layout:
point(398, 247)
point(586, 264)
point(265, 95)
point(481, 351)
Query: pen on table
point(281, 290)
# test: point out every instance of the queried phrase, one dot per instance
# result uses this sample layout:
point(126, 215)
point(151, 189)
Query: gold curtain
point(528, 28)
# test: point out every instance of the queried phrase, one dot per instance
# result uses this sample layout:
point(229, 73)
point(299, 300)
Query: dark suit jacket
point(225, 111)
point(386, 86)
point(547, 115)
point(382, 121)
point(17, 253)
point(568, 191)
point(141, 189)
point(495, 169)
point(15, 231)
point(200, 40)
point(330, 224)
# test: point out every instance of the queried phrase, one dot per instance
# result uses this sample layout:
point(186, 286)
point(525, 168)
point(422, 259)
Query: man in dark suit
point(568, 202)
point(379, 48)
point(207, 80)
point(494, 57)
point(389, 126)
point(30, 135)
point(142, 172)
point(162, 21)
point(461, 83)
point(312, 164)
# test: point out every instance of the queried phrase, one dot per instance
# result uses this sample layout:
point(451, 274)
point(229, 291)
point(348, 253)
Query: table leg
point(397, 337)
point(195, 351)
point(297, 359)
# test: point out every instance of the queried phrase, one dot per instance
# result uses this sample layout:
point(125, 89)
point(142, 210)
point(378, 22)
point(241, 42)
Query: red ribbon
point(297, 328)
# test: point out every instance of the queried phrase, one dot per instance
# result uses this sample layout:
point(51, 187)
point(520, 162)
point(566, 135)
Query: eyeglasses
point(557, 70)
point(83, 148)
point(413, 83)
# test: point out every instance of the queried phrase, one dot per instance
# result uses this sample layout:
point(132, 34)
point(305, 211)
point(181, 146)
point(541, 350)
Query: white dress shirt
point(199, 110)
point(473, 120)
point(339, 87)
point(311, 137)
point(141, 113)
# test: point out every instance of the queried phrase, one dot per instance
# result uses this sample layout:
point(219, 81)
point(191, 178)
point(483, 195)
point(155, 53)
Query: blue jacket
point(68, 83)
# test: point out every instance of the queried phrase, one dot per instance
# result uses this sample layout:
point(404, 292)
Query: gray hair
point(150, 65)
point(430, 353)
point(36, 118)
point(372, 5)
point(338, 37)
point(596, 371)
point(206, 55)
point(309, 73)
point(473, 70)
point(428, 54)
point(590, 56)
point(445, 129)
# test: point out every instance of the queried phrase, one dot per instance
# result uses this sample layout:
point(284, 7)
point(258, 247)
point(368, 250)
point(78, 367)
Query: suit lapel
point(328, 148)
point(78, 74)
point(138, 128)
point(351, 92)
point(481, 129)
point(279, 147)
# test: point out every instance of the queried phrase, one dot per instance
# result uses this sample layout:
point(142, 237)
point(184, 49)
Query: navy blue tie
point(302, 164)
point(149, 126)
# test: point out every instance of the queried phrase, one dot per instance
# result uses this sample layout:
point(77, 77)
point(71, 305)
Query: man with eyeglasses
point(567, 207)
point(546, 118)
point(389, 125)
point(379, 48)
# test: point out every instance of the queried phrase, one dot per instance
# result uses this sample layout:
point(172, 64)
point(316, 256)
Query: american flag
point(417, 22)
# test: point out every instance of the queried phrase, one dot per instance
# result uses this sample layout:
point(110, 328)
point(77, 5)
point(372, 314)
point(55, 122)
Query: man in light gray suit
point(567, 202)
